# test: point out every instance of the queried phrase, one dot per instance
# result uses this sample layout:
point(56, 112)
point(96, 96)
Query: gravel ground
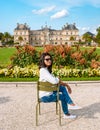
point(17, 108)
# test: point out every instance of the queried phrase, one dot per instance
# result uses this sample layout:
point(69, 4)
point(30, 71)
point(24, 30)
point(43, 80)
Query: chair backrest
point(46, 86)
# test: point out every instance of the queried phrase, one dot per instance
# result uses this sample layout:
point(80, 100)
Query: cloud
point(44, 10)
point(85, 28)
point(98, 26)
point(60, 14)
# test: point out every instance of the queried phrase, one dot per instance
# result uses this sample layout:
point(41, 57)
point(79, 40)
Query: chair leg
point(39, 109)
point(59, 114)
point(58, 111)
point(57, 108)
point(37, 114)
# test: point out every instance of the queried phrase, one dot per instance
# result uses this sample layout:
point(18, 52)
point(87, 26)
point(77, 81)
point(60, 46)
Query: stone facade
point(67, 35)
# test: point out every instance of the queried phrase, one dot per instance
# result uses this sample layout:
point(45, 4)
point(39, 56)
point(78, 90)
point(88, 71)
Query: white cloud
point(44, 10)
point(98, 26)
point(94, 29)
point(60, 14)
point(85, 28)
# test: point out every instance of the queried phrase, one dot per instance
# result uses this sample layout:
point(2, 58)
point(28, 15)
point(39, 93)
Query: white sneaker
point(69, 116)
point(71, 107)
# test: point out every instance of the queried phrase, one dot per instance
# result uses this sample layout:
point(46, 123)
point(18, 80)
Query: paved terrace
point(18, 100)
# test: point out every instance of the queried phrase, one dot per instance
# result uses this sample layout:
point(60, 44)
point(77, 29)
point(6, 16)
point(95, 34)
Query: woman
point(45, 66)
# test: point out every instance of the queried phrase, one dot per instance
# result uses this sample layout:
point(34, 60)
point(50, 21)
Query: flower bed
point(33, 71)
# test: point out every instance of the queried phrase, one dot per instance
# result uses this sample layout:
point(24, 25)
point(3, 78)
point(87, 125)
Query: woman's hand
point(66, 85)
point(69, 89)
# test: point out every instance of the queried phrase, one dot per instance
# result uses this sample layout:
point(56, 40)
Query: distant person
point(45, 67)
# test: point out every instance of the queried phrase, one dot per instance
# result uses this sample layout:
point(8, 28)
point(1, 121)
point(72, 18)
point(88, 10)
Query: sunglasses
point(47, 59)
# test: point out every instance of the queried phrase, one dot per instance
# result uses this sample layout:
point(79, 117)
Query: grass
point(6, 79)
point(5, 54)
point(88, 48)
point(82, 79)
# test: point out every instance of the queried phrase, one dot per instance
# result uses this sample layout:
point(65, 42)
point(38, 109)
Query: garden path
point(17, 108)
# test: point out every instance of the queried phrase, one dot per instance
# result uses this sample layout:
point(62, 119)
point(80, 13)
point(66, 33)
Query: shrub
point(63, 55)
point(75, 58)
point(25, 55)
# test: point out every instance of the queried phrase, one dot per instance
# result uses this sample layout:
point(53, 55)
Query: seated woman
point(45, 67)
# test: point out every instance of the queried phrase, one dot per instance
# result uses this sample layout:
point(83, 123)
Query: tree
point(20, 39)
point(98, 35)
point(72, 39)
point(1, 36)
point(87, 37)
point(7, 37)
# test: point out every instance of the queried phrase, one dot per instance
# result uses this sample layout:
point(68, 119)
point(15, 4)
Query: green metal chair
point(46, 86)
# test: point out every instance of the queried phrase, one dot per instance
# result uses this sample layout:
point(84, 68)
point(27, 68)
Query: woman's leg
point(66, 95)
point(64, 104)
point(53, 98)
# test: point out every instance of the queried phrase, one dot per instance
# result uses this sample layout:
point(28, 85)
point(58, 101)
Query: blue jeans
point(63, 96)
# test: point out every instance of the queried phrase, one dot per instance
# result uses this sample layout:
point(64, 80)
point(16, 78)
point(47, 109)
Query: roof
point(22, 27)
point(69, 27)
point(91, 34)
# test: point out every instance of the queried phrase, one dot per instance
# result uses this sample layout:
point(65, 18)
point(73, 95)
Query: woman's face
point(47, 60)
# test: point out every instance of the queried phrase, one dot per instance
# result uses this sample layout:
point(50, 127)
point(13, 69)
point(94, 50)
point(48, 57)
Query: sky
point(55, 13)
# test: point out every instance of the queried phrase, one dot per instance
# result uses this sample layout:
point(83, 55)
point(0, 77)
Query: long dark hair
point(42, 64)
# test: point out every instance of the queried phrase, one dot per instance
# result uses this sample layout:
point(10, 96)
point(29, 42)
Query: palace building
point(69, 34)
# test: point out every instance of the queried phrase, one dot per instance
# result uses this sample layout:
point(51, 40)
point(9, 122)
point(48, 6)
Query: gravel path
point(17, 108)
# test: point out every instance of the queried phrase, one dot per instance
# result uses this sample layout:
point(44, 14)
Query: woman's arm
point(46, 76)
point(66, 85)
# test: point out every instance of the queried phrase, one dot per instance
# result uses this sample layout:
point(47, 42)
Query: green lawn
point(88, 48)
point(5, 54)
point(6, 79)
